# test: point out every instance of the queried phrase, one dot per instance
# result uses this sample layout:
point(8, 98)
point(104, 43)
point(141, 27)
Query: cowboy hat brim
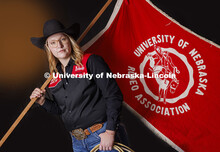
point(73, 31)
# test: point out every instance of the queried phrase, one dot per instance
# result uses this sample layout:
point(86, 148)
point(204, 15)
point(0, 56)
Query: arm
point(110, 90)
point(45, 101)
point(50, 105)
point(112, 95)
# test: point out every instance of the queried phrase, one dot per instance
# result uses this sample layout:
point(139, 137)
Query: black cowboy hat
point(54, 26)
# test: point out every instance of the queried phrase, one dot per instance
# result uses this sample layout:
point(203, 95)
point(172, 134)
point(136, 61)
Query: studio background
point(23, 66)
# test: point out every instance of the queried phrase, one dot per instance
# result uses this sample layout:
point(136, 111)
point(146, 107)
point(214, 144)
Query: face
point(60, 46)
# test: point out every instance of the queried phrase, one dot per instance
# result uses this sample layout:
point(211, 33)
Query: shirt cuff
point(46, 105)
point(111, 125)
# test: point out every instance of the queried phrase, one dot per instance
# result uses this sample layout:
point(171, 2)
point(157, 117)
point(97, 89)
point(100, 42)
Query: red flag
point(140, 41)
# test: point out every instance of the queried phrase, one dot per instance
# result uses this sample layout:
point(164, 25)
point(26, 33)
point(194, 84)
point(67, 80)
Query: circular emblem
point(166, 61)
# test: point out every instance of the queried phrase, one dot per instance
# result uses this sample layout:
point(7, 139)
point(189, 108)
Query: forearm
point(110, 90)
point(113, 112)
point(51, 107)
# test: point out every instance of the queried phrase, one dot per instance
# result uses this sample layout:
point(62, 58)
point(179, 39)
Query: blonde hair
point(76, 55)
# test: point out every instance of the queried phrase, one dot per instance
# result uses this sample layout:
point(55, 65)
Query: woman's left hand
point(107, 140)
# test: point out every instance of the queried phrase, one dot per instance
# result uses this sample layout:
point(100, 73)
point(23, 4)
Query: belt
point(81, 134)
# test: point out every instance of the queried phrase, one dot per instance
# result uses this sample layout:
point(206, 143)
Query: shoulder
point(95, 58)
point(91, 57)
point(97, 63)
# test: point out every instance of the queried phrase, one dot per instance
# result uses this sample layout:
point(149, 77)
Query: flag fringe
point(153, 129)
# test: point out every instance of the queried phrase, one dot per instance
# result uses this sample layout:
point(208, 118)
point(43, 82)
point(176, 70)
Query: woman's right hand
point(39, 94)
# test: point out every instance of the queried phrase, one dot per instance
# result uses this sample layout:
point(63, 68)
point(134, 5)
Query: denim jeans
point(93, 139)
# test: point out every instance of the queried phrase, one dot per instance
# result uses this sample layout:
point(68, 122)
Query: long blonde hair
point(76, 55)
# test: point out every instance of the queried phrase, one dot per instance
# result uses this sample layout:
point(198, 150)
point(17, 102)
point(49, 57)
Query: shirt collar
point(71, 62)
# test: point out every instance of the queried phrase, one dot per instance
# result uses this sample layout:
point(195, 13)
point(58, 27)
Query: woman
point(89, 108)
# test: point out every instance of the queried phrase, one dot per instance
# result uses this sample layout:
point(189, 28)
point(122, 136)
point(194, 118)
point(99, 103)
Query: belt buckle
point(79, 134)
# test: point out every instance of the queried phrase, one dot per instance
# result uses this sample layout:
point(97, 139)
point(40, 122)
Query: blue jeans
point(93, 139)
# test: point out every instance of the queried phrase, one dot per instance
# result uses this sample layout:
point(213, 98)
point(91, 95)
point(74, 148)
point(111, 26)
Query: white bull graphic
point(161, 63)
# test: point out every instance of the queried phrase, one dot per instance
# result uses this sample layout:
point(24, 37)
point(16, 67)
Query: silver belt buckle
point(79, 134)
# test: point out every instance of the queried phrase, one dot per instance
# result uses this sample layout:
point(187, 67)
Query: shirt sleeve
point(109, 88)
point(50, 105)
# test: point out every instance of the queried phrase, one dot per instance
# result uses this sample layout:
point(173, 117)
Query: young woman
point(89, 108)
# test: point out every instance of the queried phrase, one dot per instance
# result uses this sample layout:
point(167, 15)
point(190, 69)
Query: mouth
point(61, 51)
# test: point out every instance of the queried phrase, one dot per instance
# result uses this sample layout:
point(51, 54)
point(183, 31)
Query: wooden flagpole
point(94, 21)
point(51, 76)
point(23, 112)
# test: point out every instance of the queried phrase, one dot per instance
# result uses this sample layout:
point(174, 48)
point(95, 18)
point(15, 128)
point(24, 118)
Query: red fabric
point(54, 81)
point(197, 127)
point(77, 70)
point(81, 69)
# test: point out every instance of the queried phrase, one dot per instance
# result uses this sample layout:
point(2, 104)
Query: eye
point(52, 43)
point(63, 38)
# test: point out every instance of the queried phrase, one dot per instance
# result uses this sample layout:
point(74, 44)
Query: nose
point(60, 44)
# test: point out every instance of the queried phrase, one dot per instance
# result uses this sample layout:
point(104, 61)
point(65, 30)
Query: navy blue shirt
point(82, 102)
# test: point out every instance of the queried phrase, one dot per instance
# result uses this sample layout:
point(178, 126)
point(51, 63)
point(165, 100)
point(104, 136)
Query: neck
point(64, 62)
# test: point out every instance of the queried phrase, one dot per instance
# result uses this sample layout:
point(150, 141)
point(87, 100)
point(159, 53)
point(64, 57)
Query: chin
point(63, 55)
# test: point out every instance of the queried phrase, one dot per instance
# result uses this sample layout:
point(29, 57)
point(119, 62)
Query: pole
point(51, 76)
point(23, 112)
point(94, 21)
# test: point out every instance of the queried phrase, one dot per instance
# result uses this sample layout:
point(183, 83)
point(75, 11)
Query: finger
point(100, 147)
point(37, 94)
point(104, 148)
point(38, 90)
point(38, 97)
point(33, 96)
point(44, 90)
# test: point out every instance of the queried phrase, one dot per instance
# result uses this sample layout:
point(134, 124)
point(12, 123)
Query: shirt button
point(70, 111)
point(66, 82)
